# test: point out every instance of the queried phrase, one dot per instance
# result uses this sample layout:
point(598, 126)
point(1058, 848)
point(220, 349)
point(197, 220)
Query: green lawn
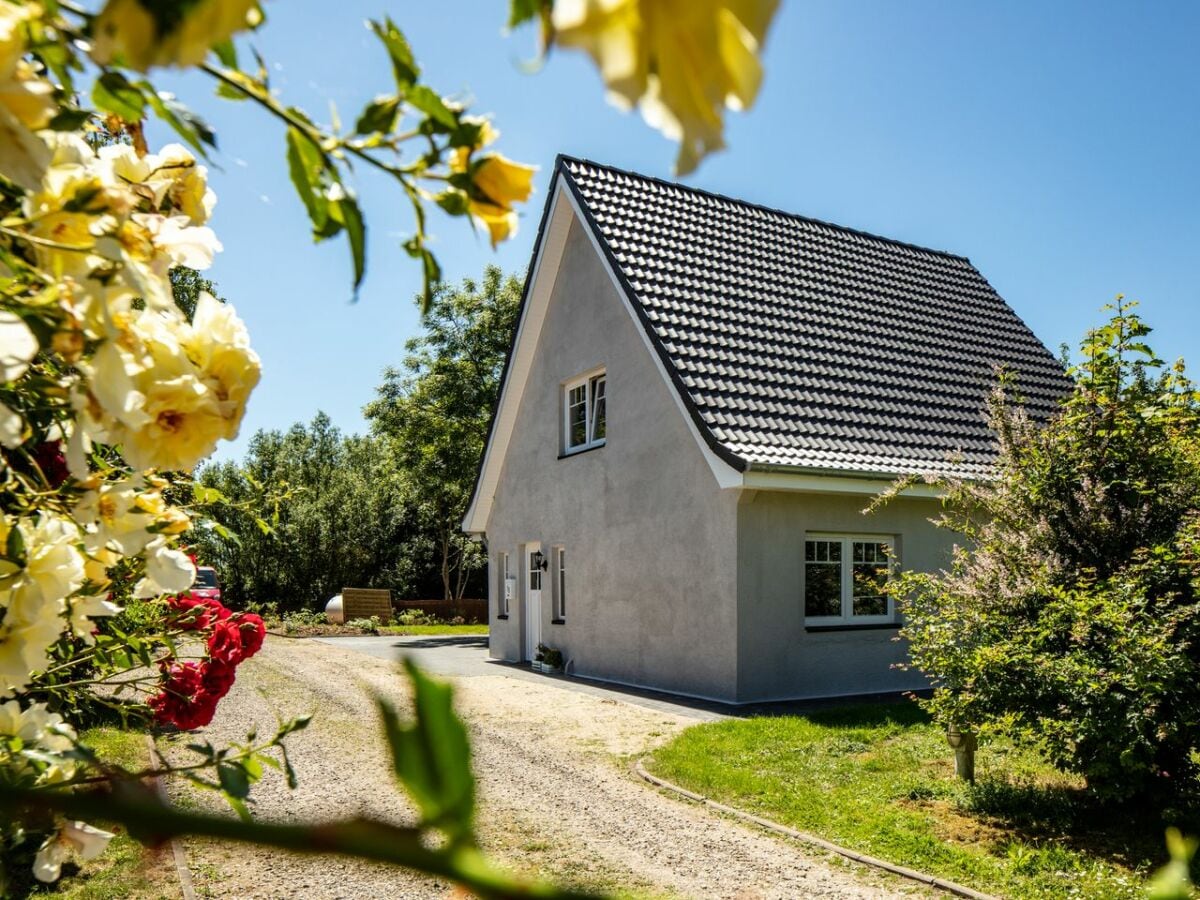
point(880, 780)
point(126, 869)
point(433, 629)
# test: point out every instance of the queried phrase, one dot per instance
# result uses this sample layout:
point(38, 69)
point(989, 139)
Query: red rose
point(217, 678)
point(253, 631)
point(180, 702)
point(225, 643)
point(198, 713)
point(196, 613)
point(50, 459)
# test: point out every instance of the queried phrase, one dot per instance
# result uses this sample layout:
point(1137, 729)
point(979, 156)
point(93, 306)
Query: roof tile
point(802, 343)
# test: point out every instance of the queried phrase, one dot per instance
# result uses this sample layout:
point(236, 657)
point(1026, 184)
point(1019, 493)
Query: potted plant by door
point(539, 658)
point(552, 662)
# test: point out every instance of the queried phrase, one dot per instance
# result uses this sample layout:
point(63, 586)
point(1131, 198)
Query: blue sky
point(1056, 145)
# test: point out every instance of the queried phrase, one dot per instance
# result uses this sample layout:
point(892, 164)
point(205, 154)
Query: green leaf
point(431, 755)
point(203, 494)
point(404, 66)
point(521, 11)
point(14, 548)
point(378, 116)
point(426, 100)
point(182, 120)
point(416, 248)
point(234, 780)
point(113, 93)
point(347, 213)
point(68, 119)
point(226, 534)
point(455, 202)
point(227, 53)
point(306, 165)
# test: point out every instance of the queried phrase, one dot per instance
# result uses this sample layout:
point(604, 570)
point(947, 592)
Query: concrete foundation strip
point(181, 867)
point(812, 840)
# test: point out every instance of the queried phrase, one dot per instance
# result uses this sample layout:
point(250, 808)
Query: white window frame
point(502, 599)
point(588, 381)
point(558, 557)
point(847, 616)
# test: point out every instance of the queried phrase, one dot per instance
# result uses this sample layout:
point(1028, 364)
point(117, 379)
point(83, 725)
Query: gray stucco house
point(701, 398)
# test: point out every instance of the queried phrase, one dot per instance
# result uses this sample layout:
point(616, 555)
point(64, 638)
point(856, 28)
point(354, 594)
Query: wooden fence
point(362, 603)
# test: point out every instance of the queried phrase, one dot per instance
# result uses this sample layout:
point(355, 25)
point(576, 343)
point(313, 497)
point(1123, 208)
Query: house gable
point(562, 209)
point(647, 531)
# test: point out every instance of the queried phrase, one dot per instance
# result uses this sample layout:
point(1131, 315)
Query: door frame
point(531, 600)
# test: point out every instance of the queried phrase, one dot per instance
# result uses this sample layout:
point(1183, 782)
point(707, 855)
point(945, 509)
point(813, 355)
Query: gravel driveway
point(556, 796)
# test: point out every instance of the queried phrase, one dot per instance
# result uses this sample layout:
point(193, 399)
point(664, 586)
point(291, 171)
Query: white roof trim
point(833, 484)
point(541, 285)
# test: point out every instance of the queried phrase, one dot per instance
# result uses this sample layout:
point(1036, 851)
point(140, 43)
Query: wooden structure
point(362, 603)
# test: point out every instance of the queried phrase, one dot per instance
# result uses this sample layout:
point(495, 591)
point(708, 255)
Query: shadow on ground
point(430, 643)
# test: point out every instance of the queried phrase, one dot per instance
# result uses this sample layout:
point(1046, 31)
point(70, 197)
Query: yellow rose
point(184, 422)
point(96, 565)
point(18, 346)
point(681, 61)
point(504, 181)
point(26, 103)
point(114, 516)
point(126, 31)
point(167, 391)
point(219, 345)
point(170, 178)
point(24, 647)
point(496, 184)
point(186, 183)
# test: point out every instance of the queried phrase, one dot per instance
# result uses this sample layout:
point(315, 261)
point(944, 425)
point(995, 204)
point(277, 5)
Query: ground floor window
point(503, 587)
point(846, 579)
point(560, 584)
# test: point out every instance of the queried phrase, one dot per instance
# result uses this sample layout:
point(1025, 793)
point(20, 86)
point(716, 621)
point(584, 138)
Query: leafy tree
point(308, 512)
point(186, 287)
point(434, 412)
point(1072, 618)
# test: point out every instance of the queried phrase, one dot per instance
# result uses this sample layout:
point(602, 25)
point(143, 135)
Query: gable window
point(503, 588)
point(585, 408)
point(846, 580)
point(560, 584)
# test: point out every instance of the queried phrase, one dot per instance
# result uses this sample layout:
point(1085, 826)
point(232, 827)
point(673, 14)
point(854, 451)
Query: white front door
point(533, 601)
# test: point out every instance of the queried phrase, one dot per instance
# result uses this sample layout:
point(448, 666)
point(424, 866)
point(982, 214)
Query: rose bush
point(110, 392)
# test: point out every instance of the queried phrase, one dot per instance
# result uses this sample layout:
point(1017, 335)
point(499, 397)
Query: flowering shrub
point(1070, 620)
point(110, 394)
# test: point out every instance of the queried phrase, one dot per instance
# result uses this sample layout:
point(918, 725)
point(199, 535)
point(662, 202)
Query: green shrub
point(268, 609)
point(370, 626)
point(303, 618)
point(1072, 619)
point(416, 617)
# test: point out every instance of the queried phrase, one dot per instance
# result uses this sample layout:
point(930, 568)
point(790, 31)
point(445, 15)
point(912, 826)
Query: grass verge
point(126, 869)
point(433, 629)
point(880, 780)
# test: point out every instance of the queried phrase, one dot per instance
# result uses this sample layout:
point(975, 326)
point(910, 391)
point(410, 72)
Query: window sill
point(501, 615)
point(576, 451)
point(558, 621)
point(847, 626)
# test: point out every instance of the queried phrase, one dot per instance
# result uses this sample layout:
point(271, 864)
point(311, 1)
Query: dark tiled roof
point(800, 343)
